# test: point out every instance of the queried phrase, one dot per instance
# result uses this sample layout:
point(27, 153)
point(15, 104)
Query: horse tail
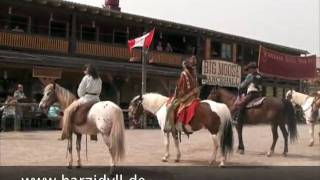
point(117, 136)
point(289, 113)
point(226, 136)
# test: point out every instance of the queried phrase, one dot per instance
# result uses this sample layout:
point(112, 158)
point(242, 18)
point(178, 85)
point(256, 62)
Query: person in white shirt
point(88, 91)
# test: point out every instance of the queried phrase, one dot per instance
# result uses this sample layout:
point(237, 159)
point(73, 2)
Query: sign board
point(46, 72)
point(221, 73)
point(285, 66)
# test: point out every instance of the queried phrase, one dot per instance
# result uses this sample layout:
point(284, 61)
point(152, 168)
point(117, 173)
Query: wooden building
point(66, 35)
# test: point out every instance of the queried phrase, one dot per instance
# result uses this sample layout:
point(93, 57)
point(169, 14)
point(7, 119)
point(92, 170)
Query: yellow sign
point(221, 73)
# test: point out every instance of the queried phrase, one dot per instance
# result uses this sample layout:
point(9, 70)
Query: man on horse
point(88, 91)
point(184, 97)
point(251, 86)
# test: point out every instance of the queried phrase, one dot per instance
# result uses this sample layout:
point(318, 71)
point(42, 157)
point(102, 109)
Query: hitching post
point(144, 82)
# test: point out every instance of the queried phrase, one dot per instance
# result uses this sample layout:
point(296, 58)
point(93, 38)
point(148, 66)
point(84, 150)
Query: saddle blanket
point(255, 102)
point(186, 114)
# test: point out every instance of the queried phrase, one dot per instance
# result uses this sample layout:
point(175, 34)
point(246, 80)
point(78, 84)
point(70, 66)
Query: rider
point(88, 91)
point(186, 90)
point(251, 85)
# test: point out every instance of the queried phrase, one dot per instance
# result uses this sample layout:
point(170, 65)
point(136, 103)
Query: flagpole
point(143, 82)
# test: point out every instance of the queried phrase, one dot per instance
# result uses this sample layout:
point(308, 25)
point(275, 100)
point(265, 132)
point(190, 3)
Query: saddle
point(79, 117)
point(255, 102)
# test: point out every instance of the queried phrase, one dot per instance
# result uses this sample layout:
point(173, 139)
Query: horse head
point(215, 94)
point(49, 96)
point(289, 95)
point(135, 109)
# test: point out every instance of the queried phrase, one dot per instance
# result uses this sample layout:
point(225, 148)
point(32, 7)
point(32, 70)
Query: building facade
point(65, 35)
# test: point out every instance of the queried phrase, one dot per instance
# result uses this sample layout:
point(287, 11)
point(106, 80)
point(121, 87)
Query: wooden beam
point(234, 53)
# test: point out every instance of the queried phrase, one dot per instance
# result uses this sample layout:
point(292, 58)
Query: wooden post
point(207, 48)
point(143, 81)
point(73, 40)
point(29, 24)
point(67, 30)
point(97, 33)
point(234, 53)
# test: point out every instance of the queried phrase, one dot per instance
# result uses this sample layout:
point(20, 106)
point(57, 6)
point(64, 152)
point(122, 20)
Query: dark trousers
point(240, 106)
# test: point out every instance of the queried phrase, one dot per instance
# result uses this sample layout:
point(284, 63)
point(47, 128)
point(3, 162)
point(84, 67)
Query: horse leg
point(70, 151)
point(166, 144)
point(112, 161)
point(176, 144)
point(311, 133)
point(215, 148)
point(239, 131)
point(274, 129)
point(285, 137)
point(78, 147)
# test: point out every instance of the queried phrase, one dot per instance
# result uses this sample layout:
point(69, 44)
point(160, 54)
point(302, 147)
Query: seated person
point(159, 46)
point(17, 29)
point(18, 93)
point(168, 47)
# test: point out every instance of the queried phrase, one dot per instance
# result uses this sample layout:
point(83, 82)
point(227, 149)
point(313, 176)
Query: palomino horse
point(272, 110)
point(214, 116)
point(307, 103)
point(104, 117)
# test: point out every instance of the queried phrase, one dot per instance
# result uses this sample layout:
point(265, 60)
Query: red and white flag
point(142, 41)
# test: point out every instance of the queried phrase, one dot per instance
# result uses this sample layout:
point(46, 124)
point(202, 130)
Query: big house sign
point(221, 73)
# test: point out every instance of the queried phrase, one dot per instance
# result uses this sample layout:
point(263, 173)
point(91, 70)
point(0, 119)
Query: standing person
point(88, 91)
point(19, 94)
point(251, 86)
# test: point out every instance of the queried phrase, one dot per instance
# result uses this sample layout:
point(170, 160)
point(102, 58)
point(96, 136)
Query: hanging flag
point(143, 41)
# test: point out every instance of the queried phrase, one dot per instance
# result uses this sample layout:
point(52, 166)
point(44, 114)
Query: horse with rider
point(251, 108)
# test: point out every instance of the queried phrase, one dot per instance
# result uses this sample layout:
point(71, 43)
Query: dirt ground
point(145, 147)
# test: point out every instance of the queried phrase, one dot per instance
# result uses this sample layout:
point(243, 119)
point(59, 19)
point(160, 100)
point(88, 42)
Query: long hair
point(92, 71)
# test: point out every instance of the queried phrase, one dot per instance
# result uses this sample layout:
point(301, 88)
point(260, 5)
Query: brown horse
point(213, 116)
point(275, 111)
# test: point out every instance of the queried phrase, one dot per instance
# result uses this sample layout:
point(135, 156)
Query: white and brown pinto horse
point(306, 102)
point(213, 116)
point(104, 117)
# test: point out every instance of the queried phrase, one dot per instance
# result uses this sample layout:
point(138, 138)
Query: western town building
point(56, 38)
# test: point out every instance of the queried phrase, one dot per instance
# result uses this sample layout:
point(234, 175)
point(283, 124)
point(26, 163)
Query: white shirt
point(91, 86)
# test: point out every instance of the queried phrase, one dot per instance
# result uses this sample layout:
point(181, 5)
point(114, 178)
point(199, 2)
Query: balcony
point(41, 43)
point(122, 53)
point(33, 42)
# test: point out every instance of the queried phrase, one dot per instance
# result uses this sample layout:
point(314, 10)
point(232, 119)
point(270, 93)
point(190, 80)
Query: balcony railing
point(120, 52)
point(168, 59)
point(33, 42)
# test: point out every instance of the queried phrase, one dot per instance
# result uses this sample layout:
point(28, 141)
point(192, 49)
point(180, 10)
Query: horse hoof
point(240, 151)
point(177, 160)
point(269, 154)
point(285, 154)
point(78, 166)
point(221, 165)
point(111, 171)
point(164, 159)
point(310, 144)
point(69, 167)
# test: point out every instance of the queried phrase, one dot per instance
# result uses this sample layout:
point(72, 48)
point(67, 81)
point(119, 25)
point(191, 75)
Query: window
point(88, 33)
point(58, 29)
point(226, 51)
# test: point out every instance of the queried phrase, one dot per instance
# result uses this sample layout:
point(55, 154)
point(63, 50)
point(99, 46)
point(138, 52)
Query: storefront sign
point(221, 73)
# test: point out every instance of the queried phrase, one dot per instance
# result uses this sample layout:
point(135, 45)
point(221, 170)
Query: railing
point(168, 59)
point(102, 50)
point(34, 42)
point(120, 52)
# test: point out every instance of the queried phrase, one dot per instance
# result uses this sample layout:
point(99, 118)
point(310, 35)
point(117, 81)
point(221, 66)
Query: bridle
point(137, 107)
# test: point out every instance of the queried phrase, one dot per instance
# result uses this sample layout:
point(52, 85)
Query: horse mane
point(151, 101)
point(64, 96)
